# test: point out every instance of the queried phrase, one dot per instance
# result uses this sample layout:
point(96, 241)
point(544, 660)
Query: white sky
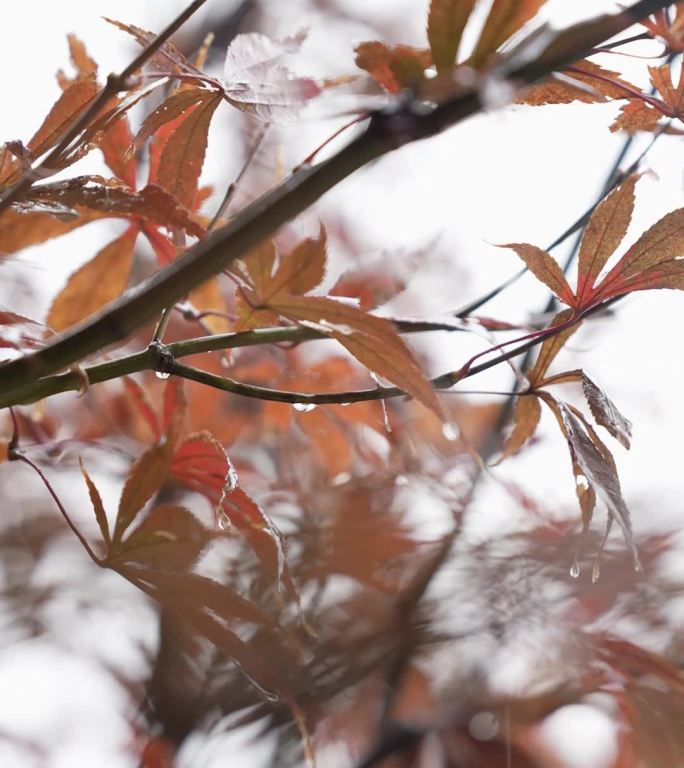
point(519, 175)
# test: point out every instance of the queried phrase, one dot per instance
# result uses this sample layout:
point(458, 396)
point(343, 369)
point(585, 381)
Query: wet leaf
point(590, 460)
point(169, 538)
point(373, 341)
point(545, 268)
point(636, 116)
point(171, 108)
point(114, 145)
point(606, 413)
point(258, 529)
point(446, 21)
point(21, 230)
point(525, 420)
point(300, 271)
point(254, 82)
point(182, 157)
point(201, 463)
point(98, 507)
point(144, 480)
point(62, 115)
point(98, 282)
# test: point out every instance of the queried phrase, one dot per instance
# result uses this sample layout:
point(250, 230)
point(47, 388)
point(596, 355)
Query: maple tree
point(261, 490)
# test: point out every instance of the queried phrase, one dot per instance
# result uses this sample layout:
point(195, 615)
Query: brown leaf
point(504, 19)
point(585, 81)
point(98, 507)
point(114, 145)
point(208, 297)
point(393, 68)
point(138, 396)
point(64, 112)
point(109, 198)
point(605, 412)
point(525, 418)
point(201, 463)
point(182, 157)
point(605, 231)
point(83, 64)
point(656, 251)
point(167, 57)
point(101, 280)
point(636, 115)
point(545, 268)
point(301, 270)
point(169, 538)
point(20, 230)
point(446, 21)
point(144, 480)
point(373, 341)
point(673, 96)
point(171, 108)
point(599, 472)
point(551, 347)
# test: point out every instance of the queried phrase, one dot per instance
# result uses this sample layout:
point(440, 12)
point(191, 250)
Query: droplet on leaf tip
point(451, 431)
point(223, 521)
point(575, 570)
point(162, 375)
point(596, 572)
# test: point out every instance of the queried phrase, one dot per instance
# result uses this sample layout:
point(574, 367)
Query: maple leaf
point(86, 291)
point(505, 18)
point(446, 21)
point(654, 261)
point(671, 31)
point(393, 68)
point(255, 82)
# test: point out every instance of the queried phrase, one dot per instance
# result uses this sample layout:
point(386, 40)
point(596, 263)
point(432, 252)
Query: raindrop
point(401, 480)
point(232, 479)
point(223, 521)
point(596, 572)
point(385, 417)
point(451, 431)
point(575, 570)
point(304, 407)
point(163, 375)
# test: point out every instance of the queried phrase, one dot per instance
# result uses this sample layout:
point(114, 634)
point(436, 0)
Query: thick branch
point(387, 130)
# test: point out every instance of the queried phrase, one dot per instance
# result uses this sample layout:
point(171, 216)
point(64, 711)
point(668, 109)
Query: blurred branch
point(387, 130)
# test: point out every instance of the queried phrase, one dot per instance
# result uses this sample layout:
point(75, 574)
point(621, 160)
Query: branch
point(387, 130)
point(114, 84)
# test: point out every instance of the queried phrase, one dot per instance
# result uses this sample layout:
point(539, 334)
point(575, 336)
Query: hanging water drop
point(223, 521)
point(304, 407)
point(451, 431)
point(575, 570)
point(163, 375)
point(596, 572)
point(385, 417)
point(401, 480)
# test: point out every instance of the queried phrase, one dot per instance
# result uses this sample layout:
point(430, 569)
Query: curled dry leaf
point(255, 82)
point(100, 281)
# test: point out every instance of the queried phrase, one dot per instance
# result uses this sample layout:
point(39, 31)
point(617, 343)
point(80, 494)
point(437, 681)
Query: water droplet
point(638, 567)
point(304, 407)
point(575, 570)
point(385, 417)
point(451, 431)
point(163, 375)
point(596, 572)
point(401, 480)
point(223, 521)
point(232, 479)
